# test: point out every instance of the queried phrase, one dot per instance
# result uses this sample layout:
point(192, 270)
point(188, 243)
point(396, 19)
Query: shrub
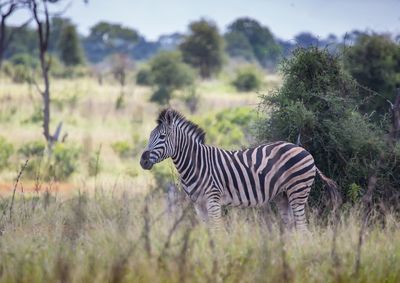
point(163, 176)
point(169, 73)
point(63, 162)
point(21, 74)
point(58, 166)
point(6, 150)
point(32, 149)
point(247, 79)
point(230, 128)
point(374, 61)
point(143, 77)
point(318, 100)
point(26, 60)
point(161, 95)
point(122, 148)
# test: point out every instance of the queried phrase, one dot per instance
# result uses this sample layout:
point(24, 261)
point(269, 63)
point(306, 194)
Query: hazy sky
point(285, 18)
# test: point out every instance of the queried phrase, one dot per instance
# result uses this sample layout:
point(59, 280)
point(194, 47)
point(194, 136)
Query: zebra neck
point(189, 161)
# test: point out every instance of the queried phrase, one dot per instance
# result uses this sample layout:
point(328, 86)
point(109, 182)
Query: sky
point(285, 18)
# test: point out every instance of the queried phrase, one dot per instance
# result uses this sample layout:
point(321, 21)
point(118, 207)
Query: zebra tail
point(333, 189)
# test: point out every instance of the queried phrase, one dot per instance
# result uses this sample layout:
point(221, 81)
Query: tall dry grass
point(125, 237)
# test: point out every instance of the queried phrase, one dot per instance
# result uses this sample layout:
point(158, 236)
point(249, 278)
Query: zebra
point(281, 172)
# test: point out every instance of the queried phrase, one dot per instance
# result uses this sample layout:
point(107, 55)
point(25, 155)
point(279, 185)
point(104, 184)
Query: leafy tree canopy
point(265, 48)
point(202, 48)
point(374, 61)
point(69, 46)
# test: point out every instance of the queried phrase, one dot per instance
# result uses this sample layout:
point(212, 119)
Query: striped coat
point(214, 177)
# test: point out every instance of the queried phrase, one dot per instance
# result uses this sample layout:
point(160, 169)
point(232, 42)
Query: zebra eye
point(162, 136)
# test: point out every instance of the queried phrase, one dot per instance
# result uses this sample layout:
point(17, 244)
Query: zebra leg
point(284, 209)
point(214, 210)
point(297, 202)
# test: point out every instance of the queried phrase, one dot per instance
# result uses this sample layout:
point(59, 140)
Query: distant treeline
point(244, 38)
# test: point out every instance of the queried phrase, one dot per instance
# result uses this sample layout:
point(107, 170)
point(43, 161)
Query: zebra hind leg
point(284, 209)
point(297, 202)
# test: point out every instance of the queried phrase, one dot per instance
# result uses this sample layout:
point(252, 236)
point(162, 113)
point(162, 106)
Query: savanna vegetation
point(76, 112)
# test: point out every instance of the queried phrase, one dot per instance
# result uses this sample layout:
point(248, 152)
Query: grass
point(115, 227)
point(91, 120)
point(127, 237)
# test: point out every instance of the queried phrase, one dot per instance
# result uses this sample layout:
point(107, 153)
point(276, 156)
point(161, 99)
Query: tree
point(374, 61)
point(237, 45)
point(306, 39)
point(264, 47)
point(169, 73)
point(318, 101)
point(106, 38)
point(7, 8)
point(41, 15)
point(69, 47)
point(202, 48)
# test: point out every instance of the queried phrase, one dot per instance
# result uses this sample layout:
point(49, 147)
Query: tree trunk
point(43, 29)
point(2, 39)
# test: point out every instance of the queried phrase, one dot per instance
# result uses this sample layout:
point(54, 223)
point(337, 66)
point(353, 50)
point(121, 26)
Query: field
point(118, 225)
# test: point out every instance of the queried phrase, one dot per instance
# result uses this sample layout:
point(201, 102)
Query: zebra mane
point(169, 115)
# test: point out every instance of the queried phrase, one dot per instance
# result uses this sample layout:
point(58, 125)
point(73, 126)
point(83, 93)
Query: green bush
point(230, 128)
point(58, 166)
point(122, 148)
point(161, 95)
point(247, 79)
point(143, 77)
point(6, 150)
point(163, 175)
point(63, 161)
point(169, 73)
point(32, 149)
point(318, 101)
point(374, 61)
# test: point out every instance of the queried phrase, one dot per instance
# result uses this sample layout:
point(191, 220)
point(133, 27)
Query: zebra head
point(161, 142)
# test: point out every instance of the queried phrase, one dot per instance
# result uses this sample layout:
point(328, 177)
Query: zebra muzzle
point(145, 160)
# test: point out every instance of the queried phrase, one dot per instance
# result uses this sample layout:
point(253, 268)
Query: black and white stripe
point(213, 177)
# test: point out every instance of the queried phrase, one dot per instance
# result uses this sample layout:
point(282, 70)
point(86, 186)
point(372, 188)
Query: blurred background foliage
point(331, 94)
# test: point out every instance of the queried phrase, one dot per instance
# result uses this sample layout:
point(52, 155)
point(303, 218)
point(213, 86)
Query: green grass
point(126, 237)
point(91, 120)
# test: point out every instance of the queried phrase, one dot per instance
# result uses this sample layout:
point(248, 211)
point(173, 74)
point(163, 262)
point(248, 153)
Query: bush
point(58, 166)
point(163, 176)
point(247, 79)
point(26, 60)
point(32, 149)
point(318, 100)
point(169, 73)
point(63, 161)
point(161, 95)
point(374, 61)
point(143, 77)
point(122, 148)
point(6, 150)
point(230, 128)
